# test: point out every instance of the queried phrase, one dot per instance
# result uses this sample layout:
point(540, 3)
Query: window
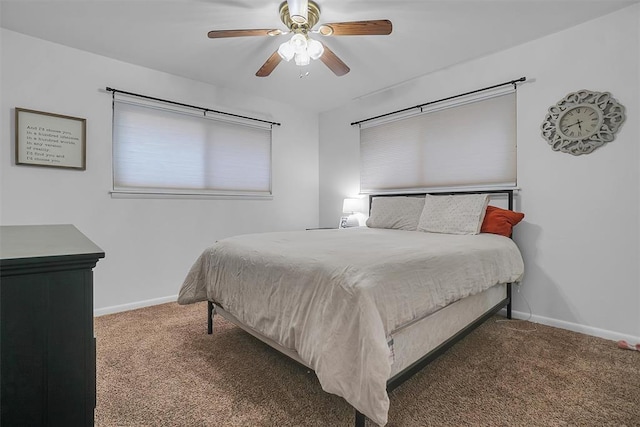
point(161, 150)
point(467, 144)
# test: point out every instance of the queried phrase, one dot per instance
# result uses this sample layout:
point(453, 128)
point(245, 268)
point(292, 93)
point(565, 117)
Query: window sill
point(118, 194)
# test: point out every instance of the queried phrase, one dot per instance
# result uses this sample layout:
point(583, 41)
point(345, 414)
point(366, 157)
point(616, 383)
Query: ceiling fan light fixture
point(302, 48)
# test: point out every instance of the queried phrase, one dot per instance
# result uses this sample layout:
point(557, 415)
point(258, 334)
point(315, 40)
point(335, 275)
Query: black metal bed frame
point(402, 376)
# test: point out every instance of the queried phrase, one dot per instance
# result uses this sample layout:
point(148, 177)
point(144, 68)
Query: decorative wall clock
point(582, 121)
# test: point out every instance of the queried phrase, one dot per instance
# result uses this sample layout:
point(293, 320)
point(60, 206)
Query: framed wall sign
point(53, 140)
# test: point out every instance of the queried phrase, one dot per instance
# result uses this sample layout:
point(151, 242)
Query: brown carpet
point(158, 367)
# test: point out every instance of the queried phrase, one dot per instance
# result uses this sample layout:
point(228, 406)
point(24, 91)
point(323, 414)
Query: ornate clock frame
point(610, 116)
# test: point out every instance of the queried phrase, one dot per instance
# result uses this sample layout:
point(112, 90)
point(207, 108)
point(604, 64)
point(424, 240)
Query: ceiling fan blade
point(298, 10)
point(269, 65)
point(218, 34)
point(334, 63)
point(380, 27)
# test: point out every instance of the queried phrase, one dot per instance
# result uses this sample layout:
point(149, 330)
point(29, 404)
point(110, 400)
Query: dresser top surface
point(30, 241)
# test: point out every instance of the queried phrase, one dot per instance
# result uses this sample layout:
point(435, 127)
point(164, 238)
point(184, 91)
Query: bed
point(366, 307)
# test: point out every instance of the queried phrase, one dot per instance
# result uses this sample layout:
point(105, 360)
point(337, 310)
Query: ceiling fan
point(300, 16)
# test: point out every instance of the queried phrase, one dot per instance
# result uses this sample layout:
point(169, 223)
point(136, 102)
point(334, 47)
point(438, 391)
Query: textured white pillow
point(400, 212)
point(461, 214)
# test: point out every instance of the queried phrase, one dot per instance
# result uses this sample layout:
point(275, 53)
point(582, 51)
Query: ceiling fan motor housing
point(313, 15)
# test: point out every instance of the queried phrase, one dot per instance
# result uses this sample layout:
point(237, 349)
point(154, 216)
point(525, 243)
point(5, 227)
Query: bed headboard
point(508, 193)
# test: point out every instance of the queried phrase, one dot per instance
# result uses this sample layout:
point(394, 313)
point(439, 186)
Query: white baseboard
point(133, 305)
point(575, 327)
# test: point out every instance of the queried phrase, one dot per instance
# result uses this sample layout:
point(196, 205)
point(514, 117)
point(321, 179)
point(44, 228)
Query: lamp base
point(349, 221)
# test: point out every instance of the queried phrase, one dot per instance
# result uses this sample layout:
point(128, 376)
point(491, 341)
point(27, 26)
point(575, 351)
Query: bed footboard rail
point(210, 312)
point(510, 301)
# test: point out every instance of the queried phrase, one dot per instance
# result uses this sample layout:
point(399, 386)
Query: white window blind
point(469, 144)
point(162, 150)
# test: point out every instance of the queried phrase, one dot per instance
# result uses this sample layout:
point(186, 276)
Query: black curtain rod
point(512, 82)
point(191, 106)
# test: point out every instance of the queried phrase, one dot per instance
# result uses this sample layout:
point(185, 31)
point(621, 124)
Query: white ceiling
point(171, 36)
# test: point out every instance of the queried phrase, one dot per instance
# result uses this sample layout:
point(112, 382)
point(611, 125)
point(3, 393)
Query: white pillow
point(399, 212)
point(461, 214)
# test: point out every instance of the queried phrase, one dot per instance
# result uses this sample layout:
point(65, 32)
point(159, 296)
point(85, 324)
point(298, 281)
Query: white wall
point(580, 237)
point(150, 243)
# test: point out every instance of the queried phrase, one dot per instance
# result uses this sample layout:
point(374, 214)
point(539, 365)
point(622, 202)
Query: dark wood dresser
point(47, 344)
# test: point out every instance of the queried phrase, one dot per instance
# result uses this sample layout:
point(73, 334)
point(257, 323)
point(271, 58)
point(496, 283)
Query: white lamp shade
point(351, 205)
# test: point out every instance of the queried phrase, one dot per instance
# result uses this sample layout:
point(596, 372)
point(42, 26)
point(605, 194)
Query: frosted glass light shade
point(299, 43)
point(286, 51)
point(302, 58)
point(315, 49)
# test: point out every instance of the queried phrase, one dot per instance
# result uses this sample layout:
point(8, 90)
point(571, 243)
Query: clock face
point(580, 122)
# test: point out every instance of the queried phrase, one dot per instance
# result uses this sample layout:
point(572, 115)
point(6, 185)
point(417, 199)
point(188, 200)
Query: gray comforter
point(334, 296)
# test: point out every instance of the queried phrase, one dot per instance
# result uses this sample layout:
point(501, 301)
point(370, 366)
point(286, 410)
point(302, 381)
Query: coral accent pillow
point(500, 221)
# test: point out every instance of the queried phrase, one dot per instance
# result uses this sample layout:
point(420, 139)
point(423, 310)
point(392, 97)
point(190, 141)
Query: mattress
point(335, 297)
